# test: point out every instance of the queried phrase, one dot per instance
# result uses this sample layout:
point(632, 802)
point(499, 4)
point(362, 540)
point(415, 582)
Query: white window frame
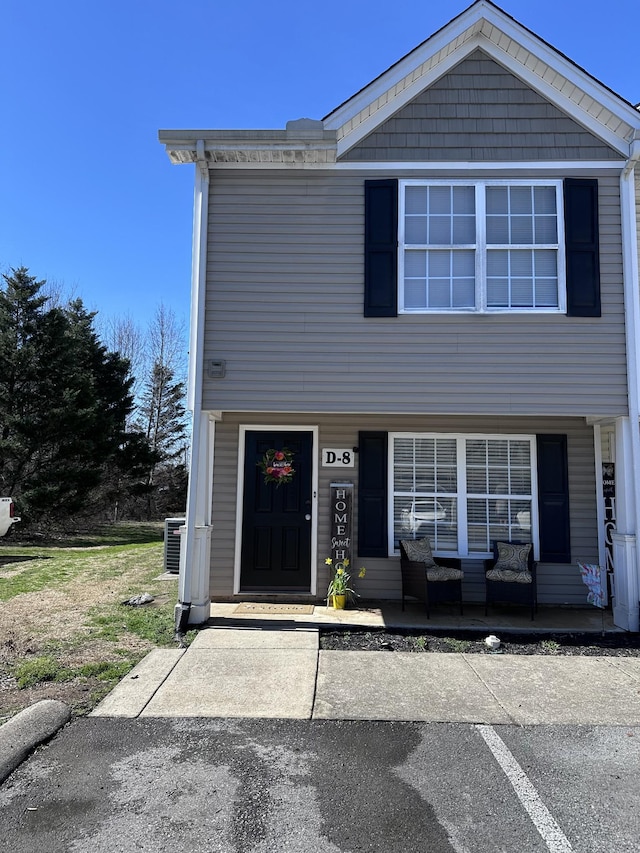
point(461, 494)
point(480, 247)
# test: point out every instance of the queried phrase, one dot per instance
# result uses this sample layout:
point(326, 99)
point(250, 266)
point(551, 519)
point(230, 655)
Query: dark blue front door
point(276, 523)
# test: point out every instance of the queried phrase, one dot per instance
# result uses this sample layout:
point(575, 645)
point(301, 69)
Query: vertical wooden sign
point(341, 522)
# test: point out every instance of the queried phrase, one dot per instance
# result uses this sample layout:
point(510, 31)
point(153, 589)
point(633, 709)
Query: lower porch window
point(462, 491)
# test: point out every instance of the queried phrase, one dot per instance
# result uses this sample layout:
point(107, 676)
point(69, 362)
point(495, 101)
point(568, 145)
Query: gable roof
point(487, 27)
point(482, 26)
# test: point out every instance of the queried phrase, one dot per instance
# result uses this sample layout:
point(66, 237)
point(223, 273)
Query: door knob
point(307, 517)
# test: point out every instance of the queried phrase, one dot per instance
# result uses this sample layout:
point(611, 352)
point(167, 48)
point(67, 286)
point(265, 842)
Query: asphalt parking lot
point(250, 786)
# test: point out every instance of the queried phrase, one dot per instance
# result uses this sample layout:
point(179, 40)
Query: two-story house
point(430, 296)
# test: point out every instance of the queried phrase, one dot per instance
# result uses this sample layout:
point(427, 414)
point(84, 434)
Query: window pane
point(497, 452)
point(439, 231)
point(521, 230)
point(546, 229)
point(439, 293)
point(521, 200)
point(476, 452)
point(476, 480)
point(415, 230)
point(415, 264)
point(497, 200)
point(403, 479)
point(415, 293)
point(522, 293)
point(519, 453)
point(497, 230)
point(464, 263)
point(546, 294)
point(520, 481)
point(497, 262)
point(439, 264)
point(439, 200)
point(544, 199)
point(521, 262)
point(424, 450)
point(497, 293)
point(464, 293)
point(417, 462)
point(546, 262)
point(415, 200)
point(464, 230)
point(464, 200)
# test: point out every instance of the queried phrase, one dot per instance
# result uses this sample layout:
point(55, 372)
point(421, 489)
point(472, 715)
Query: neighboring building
point(431, 294)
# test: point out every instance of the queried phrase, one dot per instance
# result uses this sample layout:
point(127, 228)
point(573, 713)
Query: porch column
point(625, 556)
point(194, 605)
point(626, 570)
point(195, 544)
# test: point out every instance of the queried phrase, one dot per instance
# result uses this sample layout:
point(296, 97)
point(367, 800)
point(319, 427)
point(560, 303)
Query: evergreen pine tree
point(64, 403)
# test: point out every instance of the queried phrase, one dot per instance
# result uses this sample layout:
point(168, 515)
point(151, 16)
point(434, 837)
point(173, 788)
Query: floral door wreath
point(277, 466)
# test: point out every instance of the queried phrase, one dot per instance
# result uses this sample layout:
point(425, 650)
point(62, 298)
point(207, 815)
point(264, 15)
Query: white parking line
point(552, 835)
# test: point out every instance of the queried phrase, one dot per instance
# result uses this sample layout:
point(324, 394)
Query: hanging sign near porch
point(341, 527)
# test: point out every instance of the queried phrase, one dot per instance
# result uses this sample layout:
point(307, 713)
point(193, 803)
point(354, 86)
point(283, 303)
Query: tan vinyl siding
point(479, 111)
point(558, 584)
point(285, 311)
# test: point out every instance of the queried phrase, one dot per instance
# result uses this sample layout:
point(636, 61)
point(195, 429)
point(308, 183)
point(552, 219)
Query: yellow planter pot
point(339, 602)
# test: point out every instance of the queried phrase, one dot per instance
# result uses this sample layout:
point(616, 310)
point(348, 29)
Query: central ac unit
point(172, 544)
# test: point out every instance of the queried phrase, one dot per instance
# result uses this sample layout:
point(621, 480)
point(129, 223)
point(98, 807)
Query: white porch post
point(625, 552)
point(199, 523)
point(625, 556)
point(194, 605)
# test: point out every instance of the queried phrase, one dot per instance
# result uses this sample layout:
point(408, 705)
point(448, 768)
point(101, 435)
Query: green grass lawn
point(64, 630)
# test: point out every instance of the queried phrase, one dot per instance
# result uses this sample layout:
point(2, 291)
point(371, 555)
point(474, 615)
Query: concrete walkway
point(275, 672)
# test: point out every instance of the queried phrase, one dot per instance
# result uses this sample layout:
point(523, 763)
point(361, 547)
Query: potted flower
point(339, 589)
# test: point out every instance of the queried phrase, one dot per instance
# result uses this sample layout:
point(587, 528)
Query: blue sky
point(89, 199)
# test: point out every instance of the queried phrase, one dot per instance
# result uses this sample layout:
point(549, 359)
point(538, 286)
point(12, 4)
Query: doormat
point(276, 609)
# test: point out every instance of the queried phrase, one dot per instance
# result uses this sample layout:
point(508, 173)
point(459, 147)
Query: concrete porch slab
point(257, 638)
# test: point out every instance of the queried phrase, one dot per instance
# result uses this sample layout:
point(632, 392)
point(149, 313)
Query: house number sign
point(337, 458)
point(341, 508)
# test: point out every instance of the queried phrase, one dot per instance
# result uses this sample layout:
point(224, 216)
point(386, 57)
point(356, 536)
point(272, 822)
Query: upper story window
point(481, 246)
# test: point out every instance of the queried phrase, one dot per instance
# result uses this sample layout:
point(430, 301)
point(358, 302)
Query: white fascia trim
point(471, 32)
point(563, 167)
point(618, 141)
point(461, 28)
point(242, 430)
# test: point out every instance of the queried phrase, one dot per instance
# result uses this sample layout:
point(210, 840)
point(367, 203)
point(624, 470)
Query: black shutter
point(582, 247)
point(381, 248)
point(372, 494)
point(553, 499)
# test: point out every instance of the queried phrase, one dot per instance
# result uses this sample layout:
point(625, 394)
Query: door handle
point(307, 517)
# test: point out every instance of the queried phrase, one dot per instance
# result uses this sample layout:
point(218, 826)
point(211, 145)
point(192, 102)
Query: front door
point(276, 518)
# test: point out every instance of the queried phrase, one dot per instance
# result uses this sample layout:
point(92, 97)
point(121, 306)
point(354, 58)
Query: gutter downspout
point(194, 388)
point(632, 327)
